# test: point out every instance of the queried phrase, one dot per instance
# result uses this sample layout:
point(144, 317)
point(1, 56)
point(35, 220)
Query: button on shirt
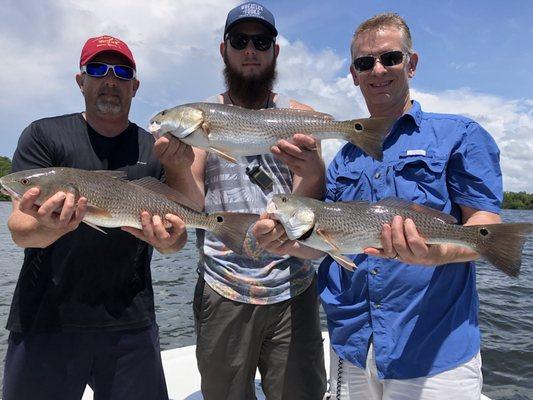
point(422, 320)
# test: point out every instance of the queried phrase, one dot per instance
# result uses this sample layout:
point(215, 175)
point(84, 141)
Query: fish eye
point(284, 199)
point(24, 181)
point(163, 112)
point(220, 219)
point(484, 231)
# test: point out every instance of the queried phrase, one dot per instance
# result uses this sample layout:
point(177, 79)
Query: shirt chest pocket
point(421, 178)
point(351, 184)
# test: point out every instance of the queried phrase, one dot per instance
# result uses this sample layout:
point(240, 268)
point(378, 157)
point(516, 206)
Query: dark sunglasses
point(239, 41)
point(99, 70)
point(388, 59)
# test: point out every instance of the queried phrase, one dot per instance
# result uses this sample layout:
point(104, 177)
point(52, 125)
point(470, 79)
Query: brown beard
point(252, 90)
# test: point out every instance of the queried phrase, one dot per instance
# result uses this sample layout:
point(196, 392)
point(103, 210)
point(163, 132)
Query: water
point(506, 311)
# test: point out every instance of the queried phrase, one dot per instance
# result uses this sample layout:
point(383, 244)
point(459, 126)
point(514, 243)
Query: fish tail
point(231, 228)
point(369, 134)
point(502, 244)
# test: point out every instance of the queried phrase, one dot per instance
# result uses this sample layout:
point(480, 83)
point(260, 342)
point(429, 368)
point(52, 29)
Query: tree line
point(511, 200)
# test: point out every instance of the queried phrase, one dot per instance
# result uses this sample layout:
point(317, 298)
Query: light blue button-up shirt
point(422, 320)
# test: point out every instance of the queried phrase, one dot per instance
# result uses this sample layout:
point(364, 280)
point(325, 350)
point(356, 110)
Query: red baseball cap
point(99, 44)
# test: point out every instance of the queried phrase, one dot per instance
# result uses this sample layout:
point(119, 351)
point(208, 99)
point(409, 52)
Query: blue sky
point(475, 59)
point(484, 45)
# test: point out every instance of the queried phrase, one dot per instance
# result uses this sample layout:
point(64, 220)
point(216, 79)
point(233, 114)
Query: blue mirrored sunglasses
point(99, 70)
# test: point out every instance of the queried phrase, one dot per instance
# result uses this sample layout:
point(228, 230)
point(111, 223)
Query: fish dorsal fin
point(297, 111)
point(343, 261)
point(154, 185)
point(115, 174)
point(399, 203)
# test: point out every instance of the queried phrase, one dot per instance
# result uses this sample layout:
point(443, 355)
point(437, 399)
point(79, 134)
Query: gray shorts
point(283, 340)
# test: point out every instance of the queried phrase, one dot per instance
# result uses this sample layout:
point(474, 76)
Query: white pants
point(461, 383)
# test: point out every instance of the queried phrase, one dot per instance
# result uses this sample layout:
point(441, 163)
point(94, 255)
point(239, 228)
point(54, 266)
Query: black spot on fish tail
point(502, 244)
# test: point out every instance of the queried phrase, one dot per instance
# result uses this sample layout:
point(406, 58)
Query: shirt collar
point(415, 113)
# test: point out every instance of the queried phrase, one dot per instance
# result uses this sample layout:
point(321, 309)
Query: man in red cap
point(83, 308)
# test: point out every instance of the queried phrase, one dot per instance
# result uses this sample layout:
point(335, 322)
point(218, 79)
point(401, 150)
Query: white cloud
point(510, 122)
point(176, 47)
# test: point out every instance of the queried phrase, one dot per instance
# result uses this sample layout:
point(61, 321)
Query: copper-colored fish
point(349, 227)
point(114, 202)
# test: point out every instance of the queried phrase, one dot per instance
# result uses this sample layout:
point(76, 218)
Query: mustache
point(113, 90)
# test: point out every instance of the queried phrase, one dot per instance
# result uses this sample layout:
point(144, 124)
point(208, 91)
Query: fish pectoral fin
point(324, 235)
point(154, 185)
point(206, 127)
point(343, 261)
point(225, 156)
point(95, 227)
point(98, 212)
point(191, 129)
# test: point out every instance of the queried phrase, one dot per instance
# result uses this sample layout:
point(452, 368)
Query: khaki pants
point(283, 340)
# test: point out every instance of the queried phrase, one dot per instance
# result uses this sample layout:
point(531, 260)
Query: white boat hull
point(183, 378)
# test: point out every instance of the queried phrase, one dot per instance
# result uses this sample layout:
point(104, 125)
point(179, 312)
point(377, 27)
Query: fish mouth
point(272, 210)
point(154, 128)
point(9, 192)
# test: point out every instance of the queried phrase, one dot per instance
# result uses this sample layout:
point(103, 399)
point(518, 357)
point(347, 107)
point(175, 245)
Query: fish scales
point(357, 226)
point(124, 200)
point(268, 125)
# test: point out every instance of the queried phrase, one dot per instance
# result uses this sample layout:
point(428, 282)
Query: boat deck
point(183, 378)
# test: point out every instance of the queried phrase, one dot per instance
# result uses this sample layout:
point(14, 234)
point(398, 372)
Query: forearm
point(188, 179)
point(312, 186)
point(450, 253)
point(169, 250)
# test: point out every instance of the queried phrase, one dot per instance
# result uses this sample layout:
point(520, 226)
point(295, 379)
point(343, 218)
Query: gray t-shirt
point(256, 276)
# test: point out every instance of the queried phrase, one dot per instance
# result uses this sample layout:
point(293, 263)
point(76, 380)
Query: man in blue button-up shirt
point(420, 322)
point(404, 324)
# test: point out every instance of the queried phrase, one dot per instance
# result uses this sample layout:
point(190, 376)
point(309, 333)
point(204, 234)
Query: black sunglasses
point(239, 41)
point(99, 70)
point(388, 59)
